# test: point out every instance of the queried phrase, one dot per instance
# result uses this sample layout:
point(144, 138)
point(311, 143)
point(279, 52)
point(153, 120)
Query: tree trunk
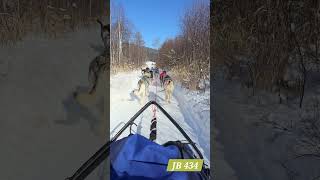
point(90, 4)
point(18, 8)
point(4, 5)
point(120, 41)
point(303, 69)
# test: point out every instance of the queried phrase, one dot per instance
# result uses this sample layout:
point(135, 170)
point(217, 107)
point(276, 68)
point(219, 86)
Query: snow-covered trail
point(124, 105)
point(245, 146)
point(252, 150)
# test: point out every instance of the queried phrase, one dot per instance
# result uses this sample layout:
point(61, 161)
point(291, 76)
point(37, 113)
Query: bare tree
point(127, 46)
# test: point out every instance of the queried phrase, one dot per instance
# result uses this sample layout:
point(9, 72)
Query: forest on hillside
point(51, 17)
point(185, 56)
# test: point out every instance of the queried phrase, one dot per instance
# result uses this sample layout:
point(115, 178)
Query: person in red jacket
point(162, 75)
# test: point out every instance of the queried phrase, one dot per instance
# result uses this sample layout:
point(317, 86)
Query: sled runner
point(137, 158)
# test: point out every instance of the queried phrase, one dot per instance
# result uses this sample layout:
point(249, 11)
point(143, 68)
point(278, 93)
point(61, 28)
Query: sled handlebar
point(104, 151)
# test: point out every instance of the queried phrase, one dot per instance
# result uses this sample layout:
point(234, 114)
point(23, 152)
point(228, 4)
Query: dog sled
point(137, 157)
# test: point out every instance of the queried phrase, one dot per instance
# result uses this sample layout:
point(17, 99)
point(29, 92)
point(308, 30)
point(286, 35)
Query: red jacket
point(163, 74)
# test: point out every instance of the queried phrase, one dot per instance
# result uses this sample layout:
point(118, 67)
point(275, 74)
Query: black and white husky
point(98, 76)
point(147, 73)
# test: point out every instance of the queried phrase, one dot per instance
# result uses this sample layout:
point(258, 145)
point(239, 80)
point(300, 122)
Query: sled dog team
point(98, 67)
point(98, 72)
point(142, 90)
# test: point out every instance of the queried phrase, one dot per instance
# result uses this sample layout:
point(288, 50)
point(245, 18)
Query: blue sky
point(155, 18)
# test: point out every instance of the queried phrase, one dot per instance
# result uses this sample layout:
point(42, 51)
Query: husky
point(96, 67)
point(105, 34)
point(98, 78)
point(143, 71)
point(168, 88)
point(99, 89)
point(147, 73)
point(156, 71)
point(142, 90)
point(156, 74)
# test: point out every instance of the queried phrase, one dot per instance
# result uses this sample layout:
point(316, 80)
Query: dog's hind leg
point(147, 91)
point(91, 97)
point(169, 97)
point(85, 98)
point(166, 96)
point(143, 100)
point(88, 99)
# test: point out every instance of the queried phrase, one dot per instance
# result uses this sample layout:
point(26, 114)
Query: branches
point(51, 17)
point(187, 55)
point(127, 46)
point(275, 34)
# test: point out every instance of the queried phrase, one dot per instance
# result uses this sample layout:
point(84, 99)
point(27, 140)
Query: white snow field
point(189, 109)
point(43, 133)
